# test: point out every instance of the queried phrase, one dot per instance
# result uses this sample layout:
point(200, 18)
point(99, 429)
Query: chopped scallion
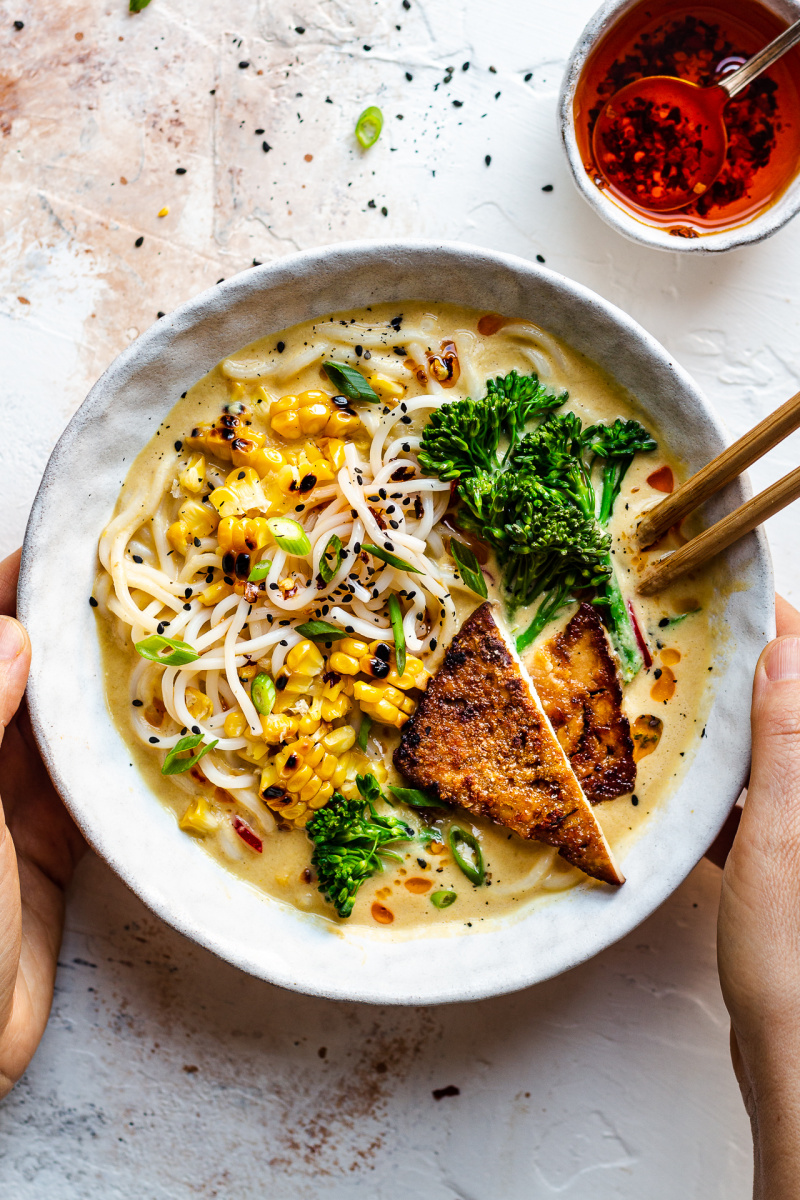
point(469, 567)
point(350, 382)
point(416, 798)
point(368, 125)
point(396, 618)
point(176, 766)
point(391, 559)
point(289, 536)
point(363, 733)
point(443, 899)
point(170, 652)
point(262, 693)
point(320, 631)
point(333, 549)
point(472, 866)
point(260, 571)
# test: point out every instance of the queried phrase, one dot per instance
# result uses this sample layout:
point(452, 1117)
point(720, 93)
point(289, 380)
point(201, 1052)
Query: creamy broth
point(676, 690)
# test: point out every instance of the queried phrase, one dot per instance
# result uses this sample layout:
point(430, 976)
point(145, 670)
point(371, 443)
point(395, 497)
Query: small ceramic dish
point(90, 763)
point(769, 221)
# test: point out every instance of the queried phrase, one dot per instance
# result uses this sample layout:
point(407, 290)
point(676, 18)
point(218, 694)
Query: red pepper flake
point(23, 299)
point(308, 157)
point(662, 480)
point(247, 834)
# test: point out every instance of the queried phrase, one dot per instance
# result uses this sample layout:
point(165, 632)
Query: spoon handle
point(738, 80)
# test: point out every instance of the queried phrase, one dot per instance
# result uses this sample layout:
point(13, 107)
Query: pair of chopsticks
point(715, 475)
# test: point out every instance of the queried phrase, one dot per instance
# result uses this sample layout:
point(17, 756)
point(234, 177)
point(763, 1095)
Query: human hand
point(759, 920)
point(39, 847)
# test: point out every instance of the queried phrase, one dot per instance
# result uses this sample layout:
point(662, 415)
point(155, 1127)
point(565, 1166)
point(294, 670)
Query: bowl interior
point(88, 759)
point(762, 226)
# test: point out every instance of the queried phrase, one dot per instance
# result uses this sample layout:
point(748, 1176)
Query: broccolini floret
point(350, 840)
point(616, 446)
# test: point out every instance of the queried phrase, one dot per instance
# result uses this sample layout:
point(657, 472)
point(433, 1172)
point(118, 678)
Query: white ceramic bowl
point(763, 226)
point(89, 762)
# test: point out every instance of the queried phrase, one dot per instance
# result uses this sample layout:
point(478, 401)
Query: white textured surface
point(625, 1059)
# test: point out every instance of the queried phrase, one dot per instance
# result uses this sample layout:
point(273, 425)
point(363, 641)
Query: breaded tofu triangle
point(480, 739)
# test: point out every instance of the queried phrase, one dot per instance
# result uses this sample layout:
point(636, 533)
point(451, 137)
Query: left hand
point(39, 848)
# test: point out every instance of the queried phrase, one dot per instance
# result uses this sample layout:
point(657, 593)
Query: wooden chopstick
point(720, 471)
point(706, 545)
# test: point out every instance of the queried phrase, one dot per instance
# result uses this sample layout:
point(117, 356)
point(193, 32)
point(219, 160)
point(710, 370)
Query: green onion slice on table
point(396, 618)
point(262, 693)
point(469, 567)
point(333, 550)
point(170, 652)
point(471, 862)
point(176, 766)
point(350, 382)
point(369, 126)
point(289, 536)
point(392, 559)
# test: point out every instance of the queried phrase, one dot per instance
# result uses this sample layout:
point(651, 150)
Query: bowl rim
point(151, 346)
point(760, 227)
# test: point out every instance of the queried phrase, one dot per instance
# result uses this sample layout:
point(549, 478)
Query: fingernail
point(783, 659)
point(12, 639)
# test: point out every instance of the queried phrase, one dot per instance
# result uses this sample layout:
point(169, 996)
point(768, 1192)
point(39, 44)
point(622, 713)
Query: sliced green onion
point(350, 382)
point(472, 867)
point(396, 618)
point(289, 536)
point(363, 733)
point(368, 125)
point(443, 899)
point(320, 631)
point(333, 547)
point(176, 766)
point(260, 571)
point(262, 693)
point(416, 798)
point(137, 5)
point(469, 567)
point(667, 621)
point(170, 652)
point(391, 559)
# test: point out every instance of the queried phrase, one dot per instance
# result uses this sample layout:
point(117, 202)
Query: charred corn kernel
point(285, 404)
point(414, 675)
point(277, 727)
point(284, 701)
point(322, 796)
point(332, 710)
point(200, 519)
point(193, 475)
point(304, 818)
point(340, 774)
point(199, 817)
point(243, 534)
point(339, 424)
point(310, 722)
point(315, 756)
point(287, 479)
point(334, 451)
point(226, 502)
point(287, 424)
point(253, 752)
point(332, 689)
point(314, 396)
point(314, 418)
point(273, 459)
point(306, 658)
point(179, 537)
point(310, 790)
point(338, 741)
point(367, 692)
point(343, 664)
point(198, 704)
point(246, 483)
point(299, 778)
point(269, 776)
point(353, 646)
point(248, 671)
point(215, 592)
point(327, 765)
point(385, 712)
point(247, 452)
point(294, 811)
point(213, 441)
point(235, 725)
point(386, 388)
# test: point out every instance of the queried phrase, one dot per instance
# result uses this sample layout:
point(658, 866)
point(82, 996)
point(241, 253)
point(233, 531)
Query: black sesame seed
point(259, 132)
point(634, 800)
point(93, 602)
point(180, 170)
point(281, 346)
point(434, 643)
point(548, 187)
point(153, 740)
point(160, 628)
point(137, 703)
point(179, 446)
point(195, 729)
point(265, 146)
point(244, 65)
point(488, 160)
point(138, 242)
point(19, 25)
point(540, 258)
point(187, 607)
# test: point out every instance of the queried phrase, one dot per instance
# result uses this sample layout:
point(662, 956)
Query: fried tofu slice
point(576, 680)
point(480, 739)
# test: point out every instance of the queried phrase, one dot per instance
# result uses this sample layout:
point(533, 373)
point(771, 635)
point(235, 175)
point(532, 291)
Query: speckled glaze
point(763, 226)
point(88, 759)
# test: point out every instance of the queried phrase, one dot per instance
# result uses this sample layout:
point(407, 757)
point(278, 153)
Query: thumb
point(15, 661)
